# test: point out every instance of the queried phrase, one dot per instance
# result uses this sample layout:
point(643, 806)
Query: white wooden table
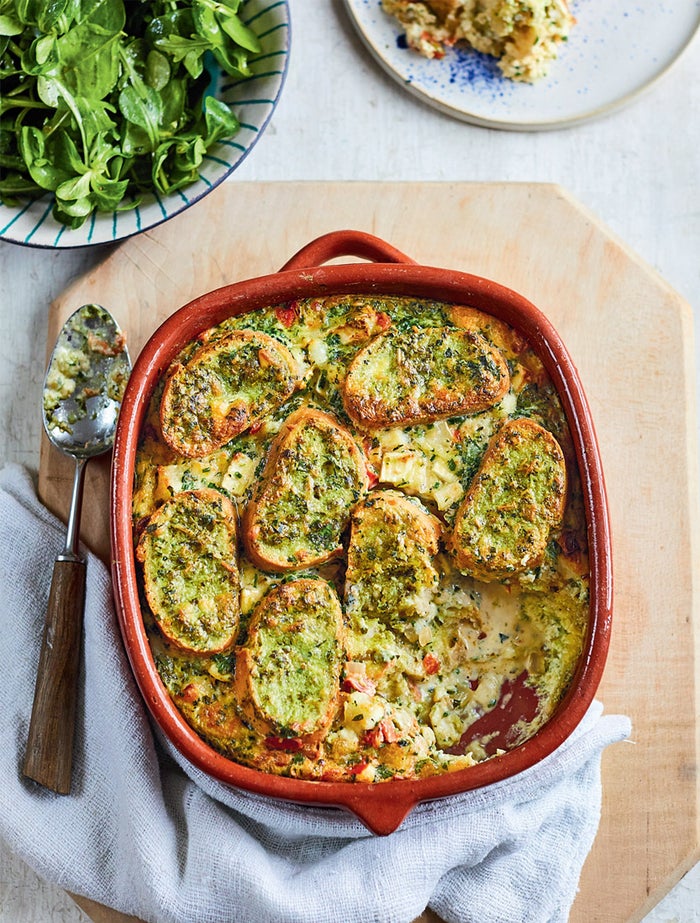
point(340, 117)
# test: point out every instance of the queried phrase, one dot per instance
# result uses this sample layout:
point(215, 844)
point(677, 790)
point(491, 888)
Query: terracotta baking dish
point(380, 806)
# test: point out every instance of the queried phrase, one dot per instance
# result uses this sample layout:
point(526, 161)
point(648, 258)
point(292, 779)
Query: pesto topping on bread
point(187, 551)
point(421, 375)
point(513, 504)
point(288, 670)
point(391, 572)
point(223, 389)
point(315, 473)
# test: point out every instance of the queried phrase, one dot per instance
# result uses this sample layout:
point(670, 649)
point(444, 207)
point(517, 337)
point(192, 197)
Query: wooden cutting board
point(630, 336)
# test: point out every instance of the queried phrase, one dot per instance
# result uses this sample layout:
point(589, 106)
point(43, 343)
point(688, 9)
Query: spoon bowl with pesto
point(83, 389)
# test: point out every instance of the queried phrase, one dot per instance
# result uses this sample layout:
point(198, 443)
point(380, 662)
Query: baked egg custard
point(383, 572)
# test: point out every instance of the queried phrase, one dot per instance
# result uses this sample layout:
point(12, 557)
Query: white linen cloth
point(148, 834)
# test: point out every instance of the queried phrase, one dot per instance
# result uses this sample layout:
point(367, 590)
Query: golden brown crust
point(423, 375)
point(226, 386)
point(514, 503)
point(314, 474)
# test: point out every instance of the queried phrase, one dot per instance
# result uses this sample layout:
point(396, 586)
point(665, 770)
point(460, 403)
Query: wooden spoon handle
point(49, 756)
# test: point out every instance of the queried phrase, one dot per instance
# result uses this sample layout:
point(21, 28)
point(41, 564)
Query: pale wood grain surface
point(631, 337)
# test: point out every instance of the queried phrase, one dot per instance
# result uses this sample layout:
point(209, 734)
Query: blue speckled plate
point(615, 51)
point(253, 100)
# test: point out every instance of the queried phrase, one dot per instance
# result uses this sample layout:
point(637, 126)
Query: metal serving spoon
point(83, 389)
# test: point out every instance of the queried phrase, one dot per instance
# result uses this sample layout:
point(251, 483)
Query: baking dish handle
point(345, 243)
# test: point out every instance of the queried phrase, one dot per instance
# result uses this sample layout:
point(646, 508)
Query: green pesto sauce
point(306, 503)
point(238, 374)
point(297, 655)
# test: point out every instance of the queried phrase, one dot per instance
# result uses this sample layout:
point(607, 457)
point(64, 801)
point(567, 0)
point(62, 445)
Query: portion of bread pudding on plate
point(524, 35)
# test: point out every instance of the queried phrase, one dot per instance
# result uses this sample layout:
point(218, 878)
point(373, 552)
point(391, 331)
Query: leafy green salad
point(103, 100)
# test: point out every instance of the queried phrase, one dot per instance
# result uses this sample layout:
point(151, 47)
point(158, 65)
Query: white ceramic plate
point(614, 51)
point(253, 100)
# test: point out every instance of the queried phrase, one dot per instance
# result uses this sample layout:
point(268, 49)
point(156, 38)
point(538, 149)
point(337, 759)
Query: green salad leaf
point(104, 100)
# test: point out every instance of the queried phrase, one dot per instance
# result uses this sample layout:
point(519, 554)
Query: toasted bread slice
point(515, 501)
point(508, 340)
point(390, 572)
point(422, 375)
point(314, 475)
point(496, 331)
point(215, 716)
point(190, 572)
point(288, 671)
point(226, 386)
